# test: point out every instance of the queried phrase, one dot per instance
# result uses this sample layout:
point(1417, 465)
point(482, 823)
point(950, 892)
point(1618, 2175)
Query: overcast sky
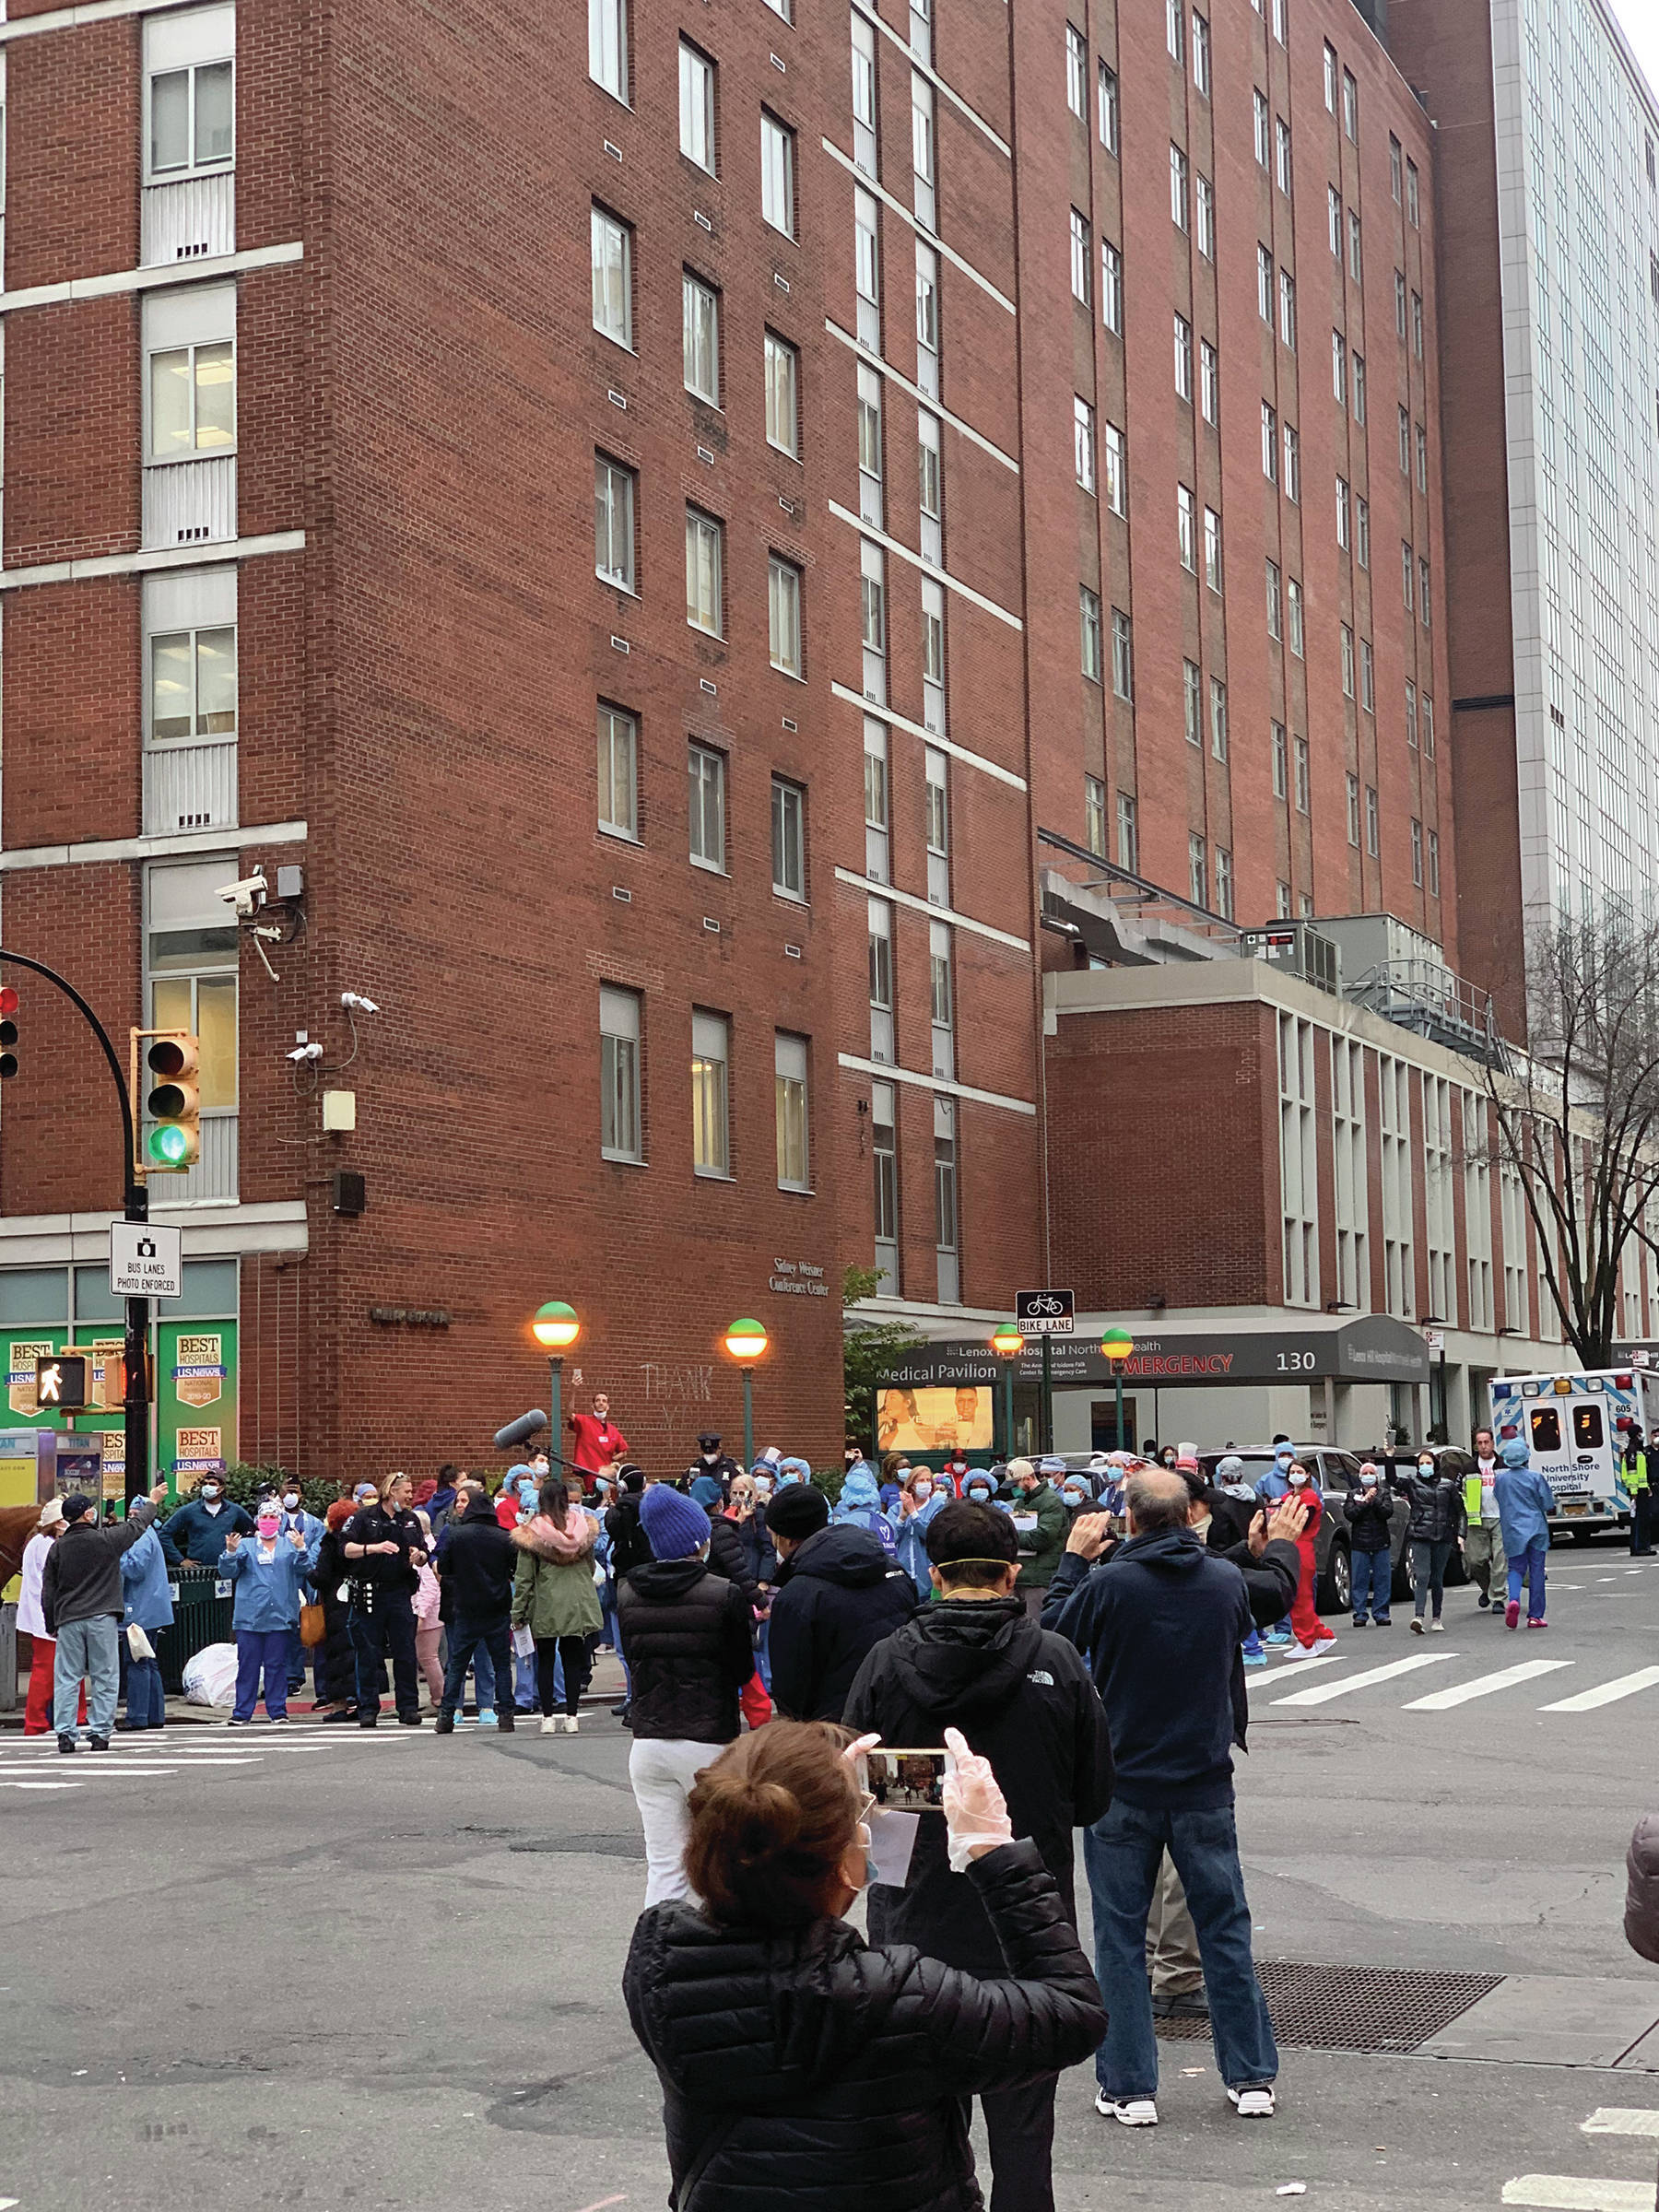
point(1641, 21)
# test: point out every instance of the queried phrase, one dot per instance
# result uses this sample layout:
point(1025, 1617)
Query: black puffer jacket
point(728, 1556)
point(686, 1638)
point(1437, 1514)
point(1370, 1521)
point(476, 1564)
point(630, 1546)
point(831, 2078)
point(836, 1597)
point(336, 1667)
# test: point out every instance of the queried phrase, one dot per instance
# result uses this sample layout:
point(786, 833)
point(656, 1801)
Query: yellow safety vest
point(1634, 1473)
point(1471, 1495)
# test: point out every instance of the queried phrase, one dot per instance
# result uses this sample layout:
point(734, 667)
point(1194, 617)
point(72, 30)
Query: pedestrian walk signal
point(9, 1032)
point(167, 1094)
point(61, 1383)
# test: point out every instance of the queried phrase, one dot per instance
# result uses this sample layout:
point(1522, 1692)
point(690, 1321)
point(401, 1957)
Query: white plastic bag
point(210, 1676)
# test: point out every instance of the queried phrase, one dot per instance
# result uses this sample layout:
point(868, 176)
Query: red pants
point(757, 1706)
point(1305, 1623)
point(37, 1713)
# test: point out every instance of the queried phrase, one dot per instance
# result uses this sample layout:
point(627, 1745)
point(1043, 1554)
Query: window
point(707, 777)
point(783, 614)
point(783, 399)
point(193, 985)
point(1359, 387)
point(875, 800)
point(1424, 599)
point(1088, 615)
point(1368, 676)
point(867, 268)
point(1110, 113)
point(1197, 870)
point(1128, 835)
point(1411, 194)
point(1209, 382)
point(696, 106)
point(1263, 129)
point(1279, 20)
point(614, 522)
point(1217, 719)
point(1174, 28)
point(922, 142)
point(1201, 54)
point(930, 483)
point(700, 319)
point(1178, 187)
point(927, 319)
point(618, 772)
point(1077, 69)
point(1183, 358)
point(619, 1074)
point(1405, 576)
point(1404, 443)
point(1428, 725)
point(1083, 442)
point(1094, 816)
point(1396, 169)
point(613, 278)
point(1299, 754)
point(1111, 288)
point(1393, 1090)
point(784, 8)
point(1212, 549)
point(1275, 601)
point(1411, 714)
point(190, 338)
point(1287, 309)
point(1281, 901)
point(1399, 304)
point(1351, 1179)
point(1353, 261)
point(1437, 1196)
point(1343, 510)
point(1477, 1211)
point(1204, 198)
point(777, 174)
point(1338, 366)
point(710, 1055)
point(789, 1063)
point(1353, 812)
point(1433, 864)
point(1330, 76)
point(1191, 688)
point(1224, 884)
point(1281, 136)
point(1333, 220)
point(1079, 256)
point(872, 565)
point(1123, 661)
point(1422, 458)
point(884, 1153)
point(1416, 324)
point(1511, 1214)
point(945, 1201)
point(1362, 531)
point(881, 980)
point(190, 637)
point(1298, 1162)
point(864, 148)
point(1281, 762)
point(705, 563)
point(607, 45)
point(1350, 105)
point(936, 777)
point(193, 109)
point(870, 462)
point(941, 1000)
point(1347, 661)
point(791, 837)
point(1373, 826)
point(1293, 464)
point(1117, 462)
point(1186, 527)
point(1264, 285)
point(1293, 609)
point(1269, 443)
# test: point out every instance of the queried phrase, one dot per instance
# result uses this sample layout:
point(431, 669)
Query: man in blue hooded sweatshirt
point(1525, 1505)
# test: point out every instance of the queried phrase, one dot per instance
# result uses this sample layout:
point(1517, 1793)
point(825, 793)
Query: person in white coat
point(31, 1621)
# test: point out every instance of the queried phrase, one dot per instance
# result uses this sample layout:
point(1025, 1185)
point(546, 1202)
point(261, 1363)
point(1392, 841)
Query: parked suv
point(1337, 1473)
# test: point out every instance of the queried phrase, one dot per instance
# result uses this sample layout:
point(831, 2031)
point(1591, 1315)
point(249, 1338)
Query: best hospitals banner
point(196, 1396)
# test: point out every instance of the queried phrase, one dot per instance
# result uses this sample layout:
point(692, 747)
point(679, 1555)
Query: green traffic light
point(169, 1145)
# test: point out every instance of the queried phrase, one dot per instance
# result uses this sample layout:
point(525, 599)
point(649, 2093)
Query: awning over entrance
point(1375, 1348)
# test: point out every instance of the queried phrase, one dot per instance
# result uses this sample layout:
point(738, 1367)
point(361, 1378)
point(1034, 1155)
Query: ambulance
point(1574, 1426)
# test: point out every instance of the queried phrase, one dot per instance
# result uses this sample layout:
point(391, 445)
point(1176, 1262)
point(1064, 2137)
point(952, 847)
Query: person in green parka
point(555, 1597)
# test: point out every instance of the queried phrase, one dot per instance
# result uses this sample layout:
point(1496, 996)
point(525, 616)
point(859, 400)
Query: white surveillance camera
point(358, 1003)
point(246, 896)
point(305, 1052)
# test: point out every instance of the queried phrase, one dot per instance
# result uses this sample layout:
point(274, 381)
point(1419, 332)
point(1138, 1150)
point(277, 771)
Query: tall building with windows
point(1546, 131)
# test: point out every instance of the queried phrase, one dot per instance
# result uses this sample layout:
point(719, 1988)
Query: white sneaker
point(570, 1724)
point(1132, 2112)
point(1437, 1628)
point(1297, 1651)
point(549, 1723)
point(1253, 2104)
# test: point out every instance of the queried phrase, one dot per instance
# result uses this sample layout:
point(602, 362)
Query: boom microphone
point(520, 1432)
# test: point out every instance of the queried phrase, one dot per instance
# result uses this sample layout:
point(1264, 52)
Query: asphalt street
point(320, 1968)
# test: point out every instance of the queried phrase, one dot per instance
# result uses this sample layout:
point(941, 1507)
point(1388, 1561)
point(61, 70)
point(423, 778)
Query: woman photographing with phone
point(797, 2062)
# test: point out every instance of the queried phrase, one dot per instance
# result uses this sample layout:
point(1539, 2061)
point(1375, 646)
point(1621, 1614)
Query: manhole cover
point(1353, 2008)
point(598, 1847)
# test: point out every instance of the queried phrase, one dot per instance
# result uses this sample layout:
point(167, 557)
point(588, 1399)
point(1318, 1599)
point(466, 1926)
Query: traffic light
point(171, 1100)
point(63, 1384)
point(8, 1031)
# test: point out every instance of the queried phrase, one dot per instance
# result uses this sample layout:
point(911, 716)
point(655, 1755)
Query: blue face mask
point(979, 1496)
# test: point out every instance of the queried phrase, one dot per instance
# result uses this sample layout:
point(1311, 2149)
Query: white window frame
point(777, 173)
point(711, 1096)
point(789, 1055)
point(1350, 1177)
point(700, 336)
point(1083, 442)
point(606, 233)
point(697, 126)
point(789, 838)
point(607, 46)
point(1299, 1162)
point(189, 322)
point(784, 591)
point(617, 733)
point(783, 395)
point(1088, 627)
point(705, 572)
point(621, 1018)
point(193, 606)
point(187, 44)
point(616, 489)
point(1077, 72)
point(706, 798)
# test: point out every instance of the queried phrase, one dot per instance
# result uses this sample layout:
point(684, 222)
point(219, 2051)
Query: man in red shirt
point(599, 1442)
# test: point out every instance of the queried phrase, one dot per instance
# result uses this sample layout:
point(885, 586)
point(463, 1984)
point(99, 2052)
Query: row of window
point(621, 805)
point(610, 66)
point(622, 1119)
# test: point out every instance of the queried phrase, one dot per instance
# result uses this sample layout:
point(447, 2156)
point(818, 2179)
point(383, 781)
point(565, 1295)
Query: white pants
point(662, 1771)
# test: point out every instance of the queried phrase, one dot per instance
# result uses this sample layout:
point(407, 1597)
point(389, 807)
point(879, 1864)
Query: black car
point(1337, 1473)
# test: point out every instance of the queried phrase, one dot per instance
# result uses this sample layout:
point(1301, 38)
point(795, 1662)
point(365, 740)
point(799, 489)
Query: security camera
point(305, 1052)
point(358, 1003)
point(247, 896)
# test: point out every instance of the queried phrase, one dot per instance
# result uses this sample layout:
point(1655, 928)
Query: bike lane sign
point(1046, 1312)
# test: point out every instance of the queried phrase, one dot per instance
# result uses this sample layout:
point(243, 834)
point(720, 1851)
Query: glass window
point(1186, 527)
point(1094, 816)
point(1079, 256)
point(618, 772)
point(192, 118)
point(1293, 609)
point(945, 1199)
point(193, 970)
point(701, 315)
point(1417, 324)
point(782, 401)
point(783, 609)
point(1088, 614)
point(1287, 309)
point(1110, 110)
point(1192, 698)
point(619, 1132)
point(613, 522)
point(607, 45)
point(1333, 220)
point(777, 173)
point(1212, 549)
point(884, 1152)
point(1372, 822)
point(1122, 656)
point(1416, 854)
point(1276, 615)
point(1204, 200)
point(1362, 531)
point(1411, 194)
point(1128, 839)
point(1292, 443)
point(1077, 69)
point(1355, 266)
point(1281, 761)
point(1197, 870)
point(192, 400)
point(613, 278)
point(1083, 442)
point(696, 106)
point(1209, 382)
point(1264, 285)
point(1350, 105)
point(1183, 356)
point(1330, 76)
point(710, 1055)
point(1395, 173)
point(1111, 288)
point(1201, 54)
point(1368, 676)
point(1281, 132)
point(1269, 443)
point(1174, 29)
point(1353, 812)
point(1217, 718)
point(789, 1062)
point(789, 831)
point(192, 684)
point(708, 771)
point(1116, 461)
point(1264, 128)
point(1224, 883)
point(1178, 187)
point(705, 560)
point(1347, 661)
point(1299, 754)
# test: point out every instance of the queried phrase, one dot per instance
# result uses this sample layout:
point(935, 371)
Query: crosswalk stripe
point(1323, 1692)
point(1255, 1676)
point(1442, 1701)
point(1621, 2119)
point(1607, 1693)
point(1576, 2193)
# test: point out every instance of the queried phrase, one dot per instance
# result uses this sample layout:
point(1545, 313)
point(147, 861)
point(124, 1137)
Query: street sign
point(1046, 1312)
point(61, 1383)
point(146, 1261)
point(1434, 1340)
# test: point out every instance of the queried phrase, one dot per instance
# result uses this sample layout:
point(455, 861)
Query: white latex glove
point(976, 1816)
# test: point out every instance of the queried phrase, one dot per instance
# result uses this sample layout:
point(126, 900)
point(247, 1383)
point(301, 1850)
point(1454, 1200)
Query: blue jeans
point(145, 1698)
point(85, 1648)
point(483, 1645)
point(1429, 1563)
point(261, 1651)
point(524, 1682)
point(1528, 1567)
point(1373, 1582)
point(1122, 1853)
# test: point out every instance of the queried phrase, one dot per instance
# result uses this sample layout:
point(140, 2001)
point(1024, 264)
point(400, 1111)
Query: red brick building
point(1040, 414)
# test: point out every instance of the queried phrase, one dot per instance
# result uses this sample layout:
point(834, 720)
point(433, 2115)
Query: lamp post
point(1117, 1345)
point(1007, 1344)
point(747, 1341)
point(555, 1326)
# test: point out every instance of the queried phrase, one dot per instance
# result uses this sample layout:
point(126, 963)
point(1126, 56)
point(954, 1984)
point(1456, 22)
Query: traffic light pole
point(135, 1406)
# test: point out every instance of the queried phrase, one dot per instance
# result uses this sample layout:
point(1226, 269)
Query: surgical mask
point(923, 1492)
point(292, 1499)
point(1296, 1478)
point(210, 1489)
point(1283, 1462)
point(267, 1525)
point(1426, 1468)
point(1073, 1495)
point(980, 1496)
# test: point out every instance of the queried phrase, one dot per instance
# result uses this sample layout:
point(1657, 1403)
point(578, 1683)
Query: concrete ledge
point(1556, 2021)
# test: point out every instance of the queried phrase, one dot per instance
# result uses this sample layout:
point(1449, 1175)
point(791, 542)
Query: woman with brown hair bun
point(800, 2066)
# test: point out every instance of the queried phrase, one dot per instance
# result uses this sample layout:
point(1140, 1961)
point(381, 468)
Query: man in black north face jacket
point(837, 1593)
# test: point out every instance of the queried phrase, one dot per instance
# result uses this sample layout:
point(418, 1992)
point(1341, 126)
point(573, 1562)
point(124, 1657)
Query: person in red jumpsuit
point(1309, 1633)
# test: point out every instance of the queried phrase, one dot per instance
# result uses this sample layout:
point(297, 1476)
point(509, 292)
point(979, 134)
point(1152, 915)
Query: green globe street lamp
point(1007, 1344)
point(1117, 1345)
point(747, 1341)
point(556, 1327)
